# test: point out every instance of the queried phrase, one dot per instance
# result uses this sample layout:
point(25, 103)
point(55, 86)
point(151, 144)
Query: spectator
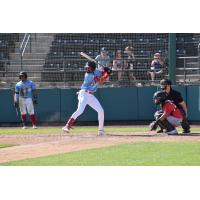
point(129, 62)
point(118, 64)
point(157, 66)
point(103, 58)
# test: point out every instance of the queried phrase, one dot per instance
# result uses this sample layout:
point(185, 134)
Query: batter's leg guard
point(185, 125)
point(157, 115)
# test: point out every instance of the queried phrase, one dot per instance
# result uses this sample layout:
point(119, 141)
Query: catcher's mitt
point(153, 126)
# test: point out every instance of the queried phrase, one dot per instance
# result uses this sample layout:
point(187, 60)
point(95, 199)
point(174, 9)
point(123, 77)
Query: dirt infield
point(31, 146)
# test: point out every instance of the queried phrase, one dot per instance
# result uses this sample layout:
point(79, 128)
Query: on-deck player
point(93, 77)
point(25, 97)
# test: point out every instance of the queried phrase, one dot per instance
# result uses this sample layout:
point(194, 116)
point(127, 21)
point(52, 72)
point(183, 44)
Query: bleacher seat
point(65, 48)
point(7, 45)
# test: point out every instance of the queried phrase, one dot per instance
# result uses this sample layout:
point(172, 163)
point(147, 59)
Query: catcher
point(93, 77)
point(169, 117)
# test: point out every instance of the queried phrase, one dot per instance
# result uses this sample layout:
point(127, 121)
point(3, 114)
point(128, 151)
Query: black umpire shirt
point(176, 97)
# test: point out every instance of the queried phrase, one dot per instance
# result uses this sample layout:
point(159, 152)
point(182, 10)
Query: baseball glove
point(153, 126)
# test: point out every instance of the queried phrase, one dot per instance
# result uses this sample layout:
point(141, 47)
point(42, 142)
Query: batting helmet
point(91, 64)
point(159, 97)
point(23, 74)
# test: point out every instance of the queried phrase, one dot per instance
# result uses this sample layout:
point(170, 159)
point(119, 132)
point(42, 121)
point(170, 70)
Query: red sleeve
point(102, 78)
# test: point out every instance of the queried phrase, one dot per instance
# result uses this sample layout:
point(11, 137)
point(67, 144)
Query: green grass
point(78, 129)
point(6, 145)
point(133, 154)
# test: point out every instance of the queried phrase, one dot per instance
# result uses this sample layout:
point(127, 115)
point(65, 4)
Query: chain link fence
point(53, 60)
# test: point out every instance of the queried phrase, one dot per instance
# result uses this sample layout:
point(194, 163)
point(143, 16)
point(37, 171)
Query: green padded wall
point(120, 104)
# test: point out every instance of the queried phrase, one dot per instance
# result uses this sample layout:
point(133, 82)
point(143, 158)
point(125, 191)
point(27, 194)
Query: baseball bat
point(17, 112)
point(90, 58)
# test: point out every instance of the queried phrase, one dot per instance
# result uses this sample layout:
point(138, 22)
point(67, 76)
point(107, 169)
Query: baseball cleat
point(186, 131)
point(65, 129)
point(101, 133)
point(160, 131)
point(173, 132)
point(24, 127)
point(34, 127)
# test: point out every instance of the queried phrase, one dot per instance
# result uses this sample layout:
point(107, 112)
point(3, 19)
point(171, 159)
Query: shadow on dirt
point(154, 135)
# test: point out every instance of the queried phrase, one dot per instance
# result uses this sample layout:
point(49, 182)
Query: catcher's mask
point(159, 97)
point(23, 74)
point(90, 66)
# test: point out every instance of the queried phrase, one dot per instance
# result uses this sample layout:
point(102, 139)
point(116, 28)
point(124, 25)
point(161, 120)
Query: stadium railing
point(190, 71)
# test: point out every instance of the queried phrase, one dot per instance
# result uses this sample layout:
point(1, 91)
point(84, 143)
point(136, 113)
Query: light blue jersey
point(24, 89)
point(89, 81)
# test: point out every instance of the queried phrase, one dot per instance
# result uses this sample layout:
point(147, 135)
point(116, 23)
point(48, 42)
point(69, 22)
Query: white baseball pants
point(26, 104)
point(85, 98)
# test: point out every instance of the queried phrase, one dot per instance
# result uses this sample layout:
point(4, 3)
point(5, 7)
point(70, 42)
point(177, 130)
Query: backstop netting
point(54, 59)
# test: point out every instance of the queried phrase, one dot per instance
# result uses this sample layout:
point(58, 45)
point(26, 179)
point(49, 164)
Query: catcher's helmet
point(23, 74)
point(91, 64)
point(159, 97)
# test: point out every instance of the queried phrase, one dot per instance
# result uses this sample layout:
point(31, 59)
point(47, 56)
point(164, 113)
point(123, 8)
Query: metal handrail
point(24, 45)
point(186, 69)
point(23, 41)
point(190, 57)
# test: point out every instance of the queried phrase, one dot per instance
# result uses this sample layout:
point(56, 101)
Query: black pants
point(185, 124)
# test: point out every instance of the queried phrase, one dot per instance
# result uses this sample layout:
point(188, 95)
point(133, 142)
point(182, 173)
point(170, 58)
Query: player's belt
point(88, 91)
point(25, 97)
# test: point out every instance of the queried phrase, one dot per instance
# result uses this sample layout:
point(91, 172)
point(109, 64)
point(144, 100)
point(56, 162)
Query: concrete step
point(41, 42)
point(42, 39)
point(28, 62)
point(17, 56)
point(44, 34)
point(16, 79)
point(25, 68)
point(33, 61)
point(33, 51)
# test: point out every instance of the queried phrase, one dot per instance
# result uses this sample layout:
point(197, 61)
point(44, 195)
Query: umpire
point(176, 97)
